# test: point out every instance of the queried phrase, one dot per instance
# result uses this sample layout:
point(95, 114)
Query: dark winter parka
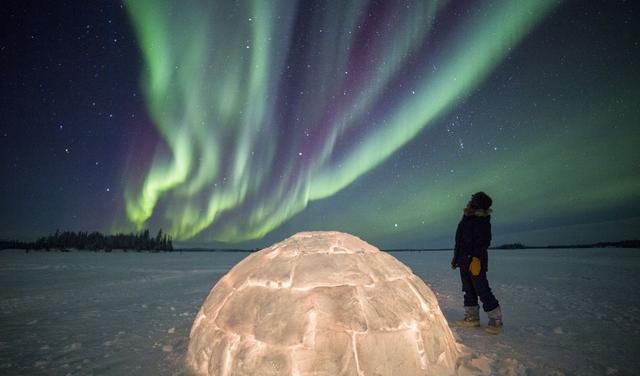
point(473, 237)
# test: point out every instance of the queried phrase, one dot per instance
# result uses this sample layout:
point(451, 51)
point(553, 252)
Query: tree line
point(63, 241)
point(616, 244)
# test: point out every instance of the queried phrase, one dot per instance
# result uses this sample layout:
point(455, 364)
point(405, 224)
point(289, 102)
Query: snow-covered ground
point(567, 312)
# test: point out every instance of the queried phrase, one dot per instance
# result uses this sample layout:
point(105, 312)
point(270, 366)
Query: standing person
point(473, 237)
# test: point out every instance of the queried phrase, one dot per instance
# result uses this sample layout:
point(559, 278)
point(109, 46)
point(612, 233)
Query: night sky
point(239, 123)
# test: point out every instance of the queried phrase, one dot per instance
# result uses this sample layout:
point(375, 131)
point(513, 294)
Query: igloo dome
point(321, 303)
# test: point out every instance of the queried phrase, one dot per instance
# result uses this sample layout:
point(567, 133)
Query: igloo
point(321, 303)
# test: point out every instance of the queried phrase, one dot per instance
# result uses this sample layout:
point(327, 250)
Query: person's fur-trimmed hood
point(477, 212)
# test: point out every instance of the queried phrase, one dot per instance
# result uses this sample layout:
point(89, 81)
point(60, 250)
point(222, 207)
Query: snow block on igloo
point(321, 303)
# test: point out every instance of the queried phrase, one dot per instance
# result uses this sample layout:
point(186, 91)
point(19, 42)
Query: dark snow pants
point(477, 287)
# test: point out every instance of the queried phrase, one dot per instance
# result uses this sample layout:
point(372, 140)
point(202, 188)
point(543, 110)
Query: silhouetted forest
point(618, 244)
point(95, 241)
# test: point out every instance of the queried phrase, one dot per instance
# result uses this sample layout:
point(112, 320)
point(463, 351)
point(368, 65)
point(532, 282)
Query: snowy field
point(567, 312)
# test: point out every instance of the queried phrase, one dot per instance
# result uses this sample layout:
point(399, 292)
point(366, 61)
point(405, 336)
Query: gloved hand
point(454, 264)
point(475, 267)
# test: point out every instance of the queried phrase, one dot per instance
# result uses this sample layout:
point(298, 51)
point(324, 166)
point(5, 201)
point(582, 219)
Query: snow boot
point(495, 321)
point(471, 318)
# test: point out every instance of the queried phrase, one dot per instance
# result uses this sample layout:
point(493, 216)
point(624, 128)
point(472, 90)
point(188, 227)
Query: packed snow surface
point(321, 303)
point(567, 312)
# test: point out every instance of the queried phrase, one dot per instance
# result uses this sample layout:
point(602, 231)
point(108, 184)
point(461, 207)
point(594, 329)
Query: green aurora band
point(231, 170)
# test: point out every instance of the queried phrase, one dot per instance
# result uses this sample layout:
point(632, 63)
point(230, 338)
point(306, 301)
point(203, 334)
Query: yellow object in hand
point(474, 267)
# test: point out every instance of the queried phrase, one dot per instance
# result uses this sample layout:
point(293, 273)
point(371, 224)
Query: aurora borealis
point(246, 121)
point(253, 140)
